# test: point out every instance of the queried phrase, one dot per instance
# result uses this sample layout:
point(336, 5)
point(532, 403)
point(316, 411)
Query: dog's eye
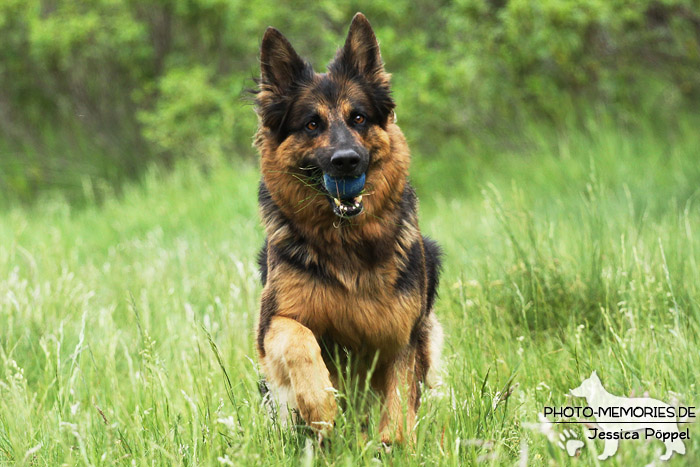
point(311, 125)
point(358, 119)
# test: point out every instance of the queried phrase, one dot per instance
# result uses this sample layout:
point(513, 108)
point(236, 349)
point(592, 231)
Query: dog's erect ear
point(359, 59)
point(594, 376)
point(361, 50)
point(280, 66)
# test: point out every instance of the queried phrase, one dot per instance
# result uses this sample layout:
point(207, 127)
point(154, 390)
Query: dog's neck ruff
point(340, 238)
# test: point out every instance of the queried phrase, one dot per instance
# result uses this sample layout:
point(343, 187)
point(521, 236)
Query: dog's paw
point(388, 438)
point(395, 434)
point(318, 409)
point(568, 442)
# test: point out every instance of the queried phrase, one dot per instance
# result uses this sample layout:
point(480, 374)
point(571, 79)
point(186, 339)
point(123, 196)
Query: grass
point(127, 327)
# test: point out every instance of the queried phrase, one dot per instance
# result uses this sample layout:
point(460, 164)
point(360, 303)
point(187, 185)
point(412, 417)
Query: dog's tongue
point(344, 188)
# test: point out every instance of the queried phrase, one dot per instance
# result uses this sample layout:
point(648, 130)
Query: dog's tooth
point(337, 202)
point(358, 200)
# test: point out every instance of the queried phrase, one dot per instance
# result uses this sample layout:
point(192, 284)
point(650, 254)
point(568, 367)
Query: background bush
point(92, 91)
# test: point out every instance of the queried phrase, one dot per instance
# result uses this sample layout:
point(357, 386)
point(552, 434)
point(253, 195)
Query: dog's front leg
point(401, 397)
point(293, 358)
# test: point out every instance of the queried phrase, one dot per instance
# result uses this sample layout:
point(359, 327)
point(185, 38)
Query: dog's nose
point(345, 160)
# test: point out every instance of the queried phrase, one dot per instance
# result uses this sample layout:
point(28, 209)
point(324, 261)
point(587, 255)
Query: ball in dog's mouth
point(345, 196)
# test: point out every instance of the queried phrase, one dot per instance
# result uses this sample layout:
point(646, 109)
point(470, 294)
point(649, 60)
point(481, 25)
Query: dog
point(344, 267)
point(626, 426)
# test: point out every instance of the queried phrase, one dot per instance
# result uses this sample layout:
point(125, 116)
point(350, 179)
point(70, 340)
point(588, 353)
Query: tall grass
point(127, 326)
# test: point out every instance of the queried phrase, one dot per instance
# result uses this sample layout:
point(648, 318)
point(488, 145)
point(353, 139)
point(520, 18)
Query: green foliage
point(94, 91)
point(611, 51)
point(170, 125)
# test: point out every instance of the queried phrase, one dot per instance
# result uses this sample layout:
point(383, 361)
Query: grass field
point(126, 329)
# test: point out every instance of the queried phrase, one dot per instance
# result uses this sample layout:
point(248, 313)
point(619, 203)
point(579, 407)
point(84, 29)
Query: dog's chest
point(361, 311)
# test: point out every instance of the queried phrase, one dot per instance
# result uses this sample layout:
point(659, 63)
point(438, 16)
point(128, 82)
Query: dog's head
point(324, 137)
point(588, 387)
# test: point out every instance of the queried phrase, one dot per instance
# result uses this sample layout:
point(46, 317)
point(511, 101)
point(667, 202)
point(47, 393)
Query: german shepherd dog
point(344, 265)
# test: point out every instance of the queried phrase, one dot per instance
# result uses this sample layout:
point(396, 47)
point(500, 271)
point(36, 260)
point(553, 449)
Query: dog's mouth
point(345, 194)
point(347, 208)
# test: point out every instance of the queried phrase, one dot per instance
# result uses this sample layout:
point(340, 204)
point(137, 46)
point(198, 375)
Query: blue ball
point(347, 188)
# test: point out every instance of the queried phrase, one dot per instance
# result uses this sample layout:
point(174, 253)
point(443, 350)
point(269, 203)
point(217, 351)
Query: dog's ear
point(282, 71)
point(594, 376)
point(360, 54)
point(280, 66)
point(361, 48)
point(360, 60)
